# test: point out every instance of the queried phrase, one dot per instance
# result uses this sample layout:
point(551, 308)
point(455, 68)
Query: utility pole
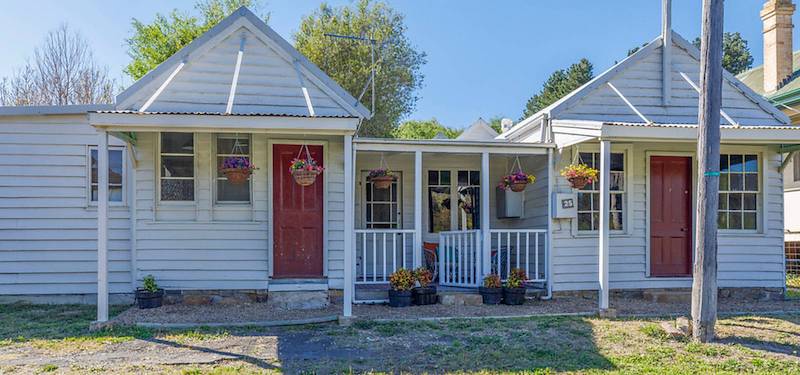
point(704, 285)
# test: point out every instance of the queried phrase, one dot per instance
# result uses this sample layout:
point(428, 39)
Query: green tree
point(494, 122)
point(423, 129)
point(398, 63)
point(560, 83)
point(152, 43)
point(736, 57)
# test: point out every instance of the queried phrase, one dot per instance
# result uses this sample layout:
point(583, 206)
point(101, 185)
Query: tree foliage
point(154, 42)
point(560, 83)
point(736, 57)
point(62, 72)
point(424, 129)
point(398, 63)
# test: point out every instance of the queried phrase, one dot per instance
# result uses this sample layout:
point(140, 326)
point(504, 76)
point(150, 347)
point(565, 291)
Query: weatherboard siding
point(745, 259)
point(48, 230)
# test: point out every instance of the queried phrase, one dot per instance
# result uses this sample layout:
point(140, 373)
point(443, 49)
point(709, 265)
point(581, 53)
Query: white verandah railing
point(460, 258)
point(519, 248)
point(379, 252)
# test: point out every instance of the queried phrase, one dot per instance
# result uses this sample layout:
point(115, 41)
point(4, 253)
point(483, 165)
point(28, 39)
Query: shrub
point(423, 276)
point(492, 280)
point(401, 280)
point(149, 284)
point(517, 278)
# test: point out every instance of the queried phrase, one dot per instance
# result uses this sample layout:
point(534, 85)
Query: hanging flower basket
point(516, 182)
point(381, 178)
point(579, 175)
point(237, 169)
point(304, 171)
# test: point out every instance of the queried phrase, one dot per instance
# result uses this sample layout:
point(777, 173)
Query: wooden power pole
point(704, 286)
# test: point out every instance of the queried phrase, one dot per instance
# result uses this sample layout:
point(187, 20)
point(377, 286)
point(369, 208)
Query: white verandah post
point(102, 227)
point(417, 258)
point(605, 175)
point(486, 238)
point(349, 225)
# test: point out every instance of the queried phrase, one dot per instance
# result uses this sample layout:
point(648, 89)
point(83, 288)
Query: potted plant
point(492, 290)
point(579, 175)
point(514, 290)
point(381, 178)
point(400, 282)
point(424, 293)
point(237, 169)
point(516, 181)
point(304, 171)
point(149, 296)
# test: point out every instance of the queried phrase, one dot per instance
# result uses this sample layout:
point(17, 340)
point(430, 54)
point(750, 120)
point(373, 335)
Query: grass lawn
point(55, 339)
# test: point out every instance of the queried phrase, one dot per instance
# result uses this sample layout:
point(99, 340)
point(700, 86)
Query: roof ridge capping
point(181, 56)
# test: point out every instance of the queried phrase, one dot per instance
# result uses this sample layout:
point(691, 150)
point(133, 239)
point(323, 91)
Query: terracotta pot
point(578, 182)
point(382, 182)
point(518, 186)
point(305, 178)
point(237, 176)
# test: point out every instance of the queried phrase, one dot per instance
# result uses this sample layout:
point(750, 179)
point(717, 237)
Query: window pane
point(751, 182)
point(737, 164)
point(595, 201)
point(585, 221)
point(734, 220)
point(751, 163)
point(723, 201)
point(735, 201)
point(382, 213)
point(723, 163)
point(737, 182)
point(381, 195)
point(226, 145)
point(584, 202)
point(724, 181)
point(115, 193)
point(177, 190)
point(587, 158)
point(749, 202)
point(114, 175)
point(463, 178)
point(115, 166)
point(475, 178)
point(617, 181)
point(227, 192)
point(469, 208)
point(616, 202)
point(616, 221)
point(177, 143)
point(617, 162)
point(439, 209)
point(722, 220)
point(444, 177)
point(177, 166)
point(749, 220)
point(595, 220)
point(370, 188)
point(433, 178)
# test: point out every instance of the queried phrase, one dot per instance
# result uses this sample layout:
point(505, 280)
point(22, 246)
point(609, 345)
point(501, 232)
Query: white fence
point(519, 248)
point(460, 258)
point(379, 252)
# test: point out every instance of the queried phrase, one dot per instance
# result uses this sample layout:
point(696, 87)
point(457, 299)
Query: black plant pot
point(491, 296)
point(149, 300)
point(425, 296)
point(513, 296)
point(399, 298)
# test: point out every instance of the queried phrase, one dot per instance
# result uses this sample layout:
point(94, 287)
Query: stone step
point(299, 300)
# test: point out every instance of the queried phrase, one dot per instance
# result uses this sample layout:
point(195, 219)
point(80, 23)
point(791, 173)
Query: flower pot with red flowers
point(492, 289)
point(305, 171)
point(514, 290)
point(381, 178)
point(237, 169)
point(579, 175)
point(424, 293)
point(516, 181)
point(400, 284)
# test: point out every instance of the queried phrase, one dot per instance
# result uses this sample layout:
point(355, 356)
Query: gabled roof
point(480, 130)
point(638, 78)
point(754, 78)
point(244, 59)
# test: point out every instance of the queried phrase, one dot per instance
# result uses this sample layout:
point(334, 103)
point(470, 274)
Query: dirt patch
point(221, 313)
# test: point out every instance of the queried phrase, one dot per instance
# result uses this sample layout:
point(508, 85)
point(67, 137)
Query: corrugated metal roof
point(679, 125)
point(131, 112)
point(33, 110)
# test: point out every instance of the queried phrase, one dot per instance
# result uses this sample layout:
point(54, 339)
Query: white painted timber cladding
point(267, 83)
point(48, 231)
point(641, 84)
point(745, 259)
point(203, 245)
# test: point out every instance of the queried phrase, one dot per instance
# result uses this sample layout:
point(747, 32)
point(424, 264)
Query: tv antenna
point(371, 81)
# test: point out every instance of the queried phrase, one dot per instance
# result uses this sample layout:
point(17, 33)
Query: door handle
point(684, 229)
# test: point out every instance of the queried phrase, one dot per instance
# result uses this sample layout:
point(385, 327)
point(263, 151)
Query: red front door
point(297, 214)
point(670, 216)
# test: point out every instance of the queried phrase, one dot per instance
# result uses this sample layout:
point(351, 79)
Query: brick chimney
point(777, 18)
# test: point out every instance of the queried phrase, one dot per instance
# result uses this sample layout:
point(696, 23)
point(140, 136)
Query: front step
point(288, 285)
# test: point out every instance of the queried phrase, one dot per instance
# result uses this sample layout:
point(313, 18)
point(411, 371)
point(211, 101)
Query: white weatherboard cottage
point(93, 198)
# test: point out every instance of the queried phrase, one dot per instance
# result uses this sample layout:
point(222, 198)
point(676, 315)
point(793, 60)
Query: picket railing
point(519, 248)
point(460, 258)
point(379, 252)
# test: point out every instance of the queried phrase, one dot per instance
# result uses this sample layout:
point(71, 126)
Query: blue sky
point(485, 58)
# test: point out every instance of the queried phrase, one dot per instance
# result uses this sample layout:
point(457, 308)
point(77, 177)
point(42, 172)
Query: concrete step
point(667, 296)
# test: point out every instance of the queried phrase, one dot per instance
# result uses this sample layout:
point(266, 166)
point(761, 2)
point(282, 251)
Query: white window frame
point(158, 176)
point(627, 221)
point(760, 196)
point(454, 224)
point(366, 205)
point(218, 176)
point(89, 183)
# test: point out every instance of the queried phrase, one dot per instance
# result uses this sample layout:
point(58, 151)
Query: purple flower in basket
point(238, 162)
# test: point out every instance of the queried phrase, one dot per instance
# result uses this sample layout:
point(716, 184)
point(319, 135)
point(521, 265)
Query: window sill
point(93, 206)
point(597, 234)
point(739, 233)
